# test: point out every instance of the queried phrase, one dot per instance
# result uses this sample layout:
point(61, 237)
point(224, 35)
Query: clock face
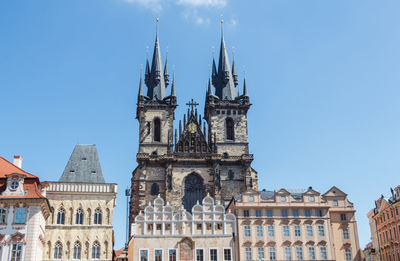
point(192, 127)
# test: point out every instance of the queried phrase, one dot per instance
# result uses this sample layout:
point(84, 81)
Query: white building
point(23, 213)
point(160, 233)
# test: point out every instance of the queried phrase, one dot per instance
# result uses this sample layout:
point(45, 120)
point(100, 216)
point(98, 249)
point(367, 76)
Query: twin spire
point(224, 79)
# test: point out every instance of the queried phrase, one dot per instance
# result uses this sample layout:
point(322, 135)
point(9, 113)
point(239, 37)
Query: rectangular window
point(295, 212)
point(288, 253)
point(321, 230)
point(227, 254)
point(335, 203)
point(324, 255)
point(270, 213)
point(144, 254)
point(199, 254)
point(286, 232)
point(260, 252)
point(311, 253)
point(284, 212)
point(16, 254)
point(248, 253)
point(272, 253)
point(271, 231)
point(213, 254)
point(20, 216)
point(297, 231)
point(309, 229)
point(158, 254)
point(312, 199)
point(347, 253)
point(247, 232)
point(283, 198)
point(246, 213)
point(319, 212)
point(260, 231)
point(171, 254)
point(258, 213)
point(346, 233)
point(343, 217)
point(307, 212)
point(299, 253)
point(3, 216)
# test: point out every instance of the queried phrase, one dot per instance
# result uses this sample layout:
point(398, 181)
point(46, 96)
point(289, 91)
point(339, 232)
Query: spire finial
point(222, 26)
point(157, 25)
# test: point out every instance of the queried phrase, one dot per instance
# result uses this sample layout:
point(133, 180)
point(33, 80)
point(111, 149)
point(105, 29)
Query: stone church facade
point(204, 155)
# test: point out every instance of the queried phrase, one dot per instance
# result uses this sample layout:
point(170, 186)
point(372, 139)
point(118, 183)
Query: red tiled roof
point(7, 168)
point(30, 182)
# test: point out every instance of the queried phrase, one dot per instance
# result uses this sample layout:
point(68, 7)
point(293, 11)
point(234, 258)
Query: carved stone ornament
point(186, 247)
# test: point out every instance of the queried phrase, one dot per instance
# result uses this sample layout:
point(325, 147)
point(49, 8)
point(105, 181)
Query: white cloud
point(154, 5)
point(193, 15)
point(203, 3)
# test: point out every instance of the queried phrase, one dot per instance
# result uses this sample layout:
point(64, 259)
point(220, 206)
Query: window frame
point(209, 253)
point(309, 252)
point(16, 221)
point(346, 233)
point(154, 254)
point(299, 253)
point(263, 253)
point(297, 231)
point(21, 251)
point(195, 254)
point(98, 216)
point(80, 251)
point(309, 230)
point(96, 250)
point(271, 231)
point(272, 252)
point(260, 233)
point(140, 252)
point(247, 228)
point(284, 230)
point(223, 253)
point(246, 252)
point(3, 215)
point(57, 250)
point(176, 254)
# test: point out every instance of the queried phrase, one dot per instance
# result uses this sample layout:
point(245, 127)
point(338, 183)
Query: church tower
point(203, 156)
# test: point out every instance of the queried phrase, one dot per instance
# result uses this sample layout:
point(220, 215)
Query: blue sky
point(323, 78)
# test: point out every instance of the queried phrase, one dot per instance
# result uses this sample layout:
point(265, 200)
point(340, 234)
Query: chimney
point(18, 161)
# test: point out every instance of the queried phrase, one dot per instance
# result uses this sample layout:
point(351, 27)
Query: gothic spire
point(140, 94)
point(166, 75)
point(173, 93)
point(156, 84)
point(245, 94)
point(224, 84)
point(210, 90)
point(234, 73)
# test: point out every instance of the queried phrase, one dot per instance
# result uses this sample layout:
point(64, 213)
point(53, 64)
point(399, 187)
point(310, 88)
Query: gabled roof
point(334, 192)
point(7, 168)
point(83, 166)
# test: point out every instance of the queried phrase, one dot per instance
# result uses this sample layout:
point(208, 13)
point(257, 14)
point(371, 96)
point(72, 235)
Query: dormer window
point(14, 185)
point(312, 199)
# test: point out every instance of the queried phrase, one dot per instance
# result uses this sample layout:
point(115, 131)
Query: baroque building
point(184, 164)
point(385, 228)
point(296, 225)
point(80, 226)
point(162, 233)
point(23, 213)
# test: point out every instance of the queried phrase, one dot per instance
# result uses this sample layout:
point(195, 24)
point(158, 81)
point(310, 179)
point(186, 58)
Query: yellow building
point(296, 225)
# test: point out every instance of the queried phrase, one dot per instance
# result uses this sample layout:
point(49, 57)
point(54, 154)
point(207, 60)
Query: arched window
point(157, 129)
point(58, 250)
point(230, 133)
point(108, 216)
point(77, 250)
point(97, 216)
point(96, 250)
point(79, 217)
point(154, 189)
point(61, 216)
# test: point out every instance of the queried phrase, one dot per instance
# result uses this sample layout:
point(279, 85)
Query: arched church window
point(77, 250)
point(61, 216)
point(157, 129)
point(230, 133)
point(186, 146)
point(154, 189)
point(58, 250)
point(194, 191)
point(96, 250)
point(79, 217)
point(97, 216)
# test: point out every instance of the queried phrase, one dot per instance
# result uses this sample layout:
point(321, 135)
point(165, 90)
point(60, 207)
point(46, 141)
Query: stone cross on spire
point(192, 104)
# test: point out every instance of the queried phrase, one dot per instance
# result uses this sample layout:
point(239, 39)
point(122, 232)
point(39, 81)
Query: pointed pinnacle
point(245, 94)
point(173, 93)
point(234, 73)
point(210, 90)
point(140, 87)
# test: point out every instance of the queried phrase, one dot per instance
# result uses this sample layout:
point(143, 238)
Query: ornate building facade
point(296, 225)
point(385, 227)
point(23, 213)
point(80, 226)
point(212, 156)
point(205, 233)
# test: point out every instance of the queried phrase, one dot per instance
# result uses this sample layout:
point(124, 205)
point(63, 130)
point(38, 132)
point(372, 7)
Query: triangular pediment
point(334, 192)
